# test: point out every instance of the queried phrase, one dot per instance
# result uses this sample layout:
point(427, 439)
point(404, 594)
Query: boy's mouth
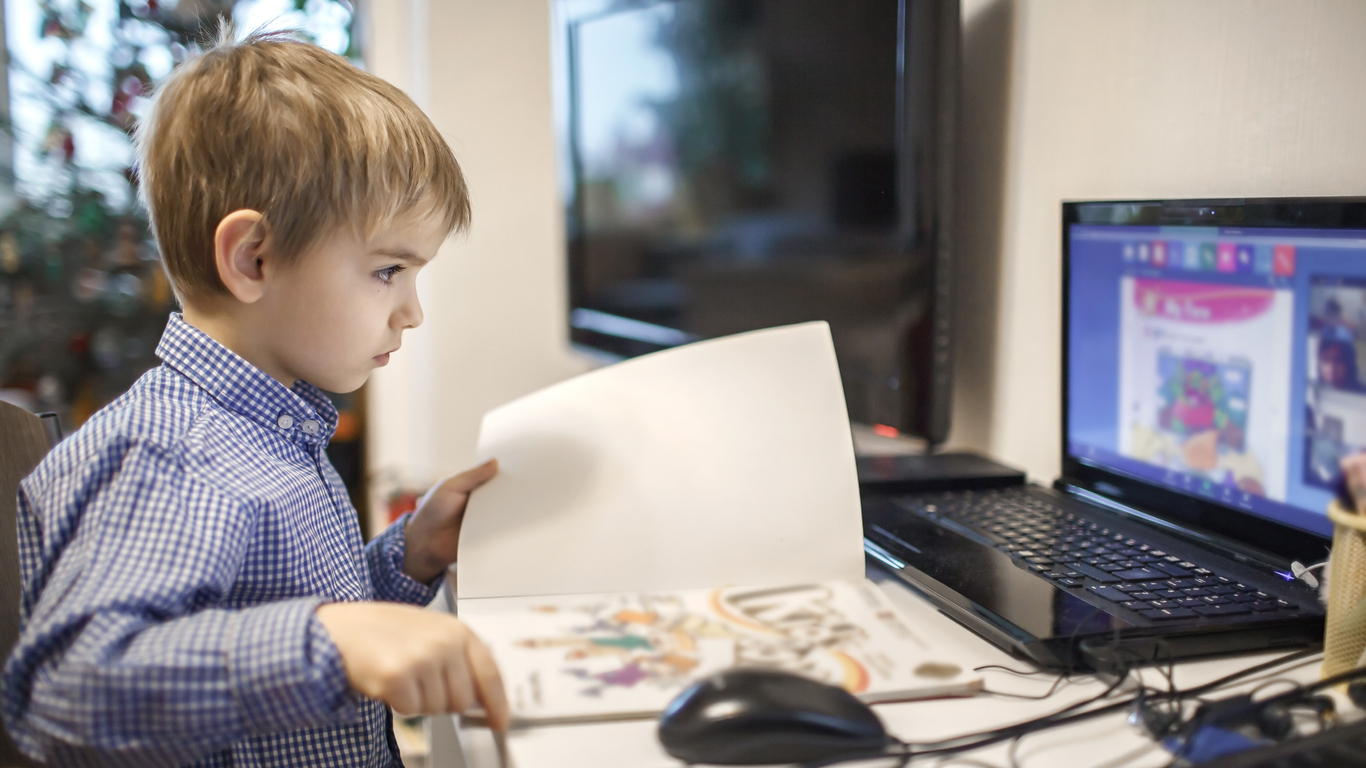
point(382, 360)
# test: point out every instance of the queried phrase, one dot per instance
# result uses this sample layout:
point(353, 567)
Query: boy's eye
point(387, 274)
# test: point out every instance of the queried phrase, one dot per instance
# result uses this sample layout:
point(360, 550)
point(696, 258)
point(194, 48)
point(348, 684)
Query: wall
point(1134, 99)
point(1062, 99)
point(494, 299)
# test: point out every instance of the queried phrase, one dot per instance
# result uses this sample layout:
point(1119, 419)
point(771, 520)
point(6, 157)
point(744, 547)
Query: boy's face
point(337, 312)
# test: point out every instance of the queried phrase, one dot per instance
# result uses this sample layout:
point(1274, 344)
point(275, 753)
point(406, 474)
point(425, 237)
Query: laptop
point(1214, 375)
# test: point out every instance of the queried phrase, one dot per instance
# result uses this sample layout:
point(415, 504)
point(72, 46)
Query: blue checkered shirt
point(173, 551)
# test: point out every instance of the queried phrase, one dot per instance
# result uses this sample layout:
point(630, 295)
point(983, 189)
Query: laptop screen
point(1225, 363)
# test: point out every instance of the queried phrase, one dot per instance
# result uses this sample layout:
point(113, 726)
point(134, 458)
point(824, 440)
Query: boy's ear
point(241, 245)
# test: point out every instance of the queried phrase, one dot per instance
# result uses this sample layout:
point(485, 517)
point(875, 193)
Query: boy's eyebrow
point(402, 254)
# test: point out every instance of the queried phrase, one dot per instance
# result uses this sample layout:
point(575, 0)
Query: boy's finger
point(460, 695)
point(490, 684)
point(470, 479)
point(433, 694)
point(404, 697)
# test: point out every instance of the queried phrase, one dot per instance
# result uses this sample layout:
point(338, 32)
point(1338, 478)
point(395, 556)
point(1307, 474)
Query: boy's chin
point(342, 384)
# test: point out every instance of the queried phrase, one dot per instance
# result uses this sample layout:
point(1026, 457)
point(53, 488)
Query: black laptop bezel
point(1210, 520)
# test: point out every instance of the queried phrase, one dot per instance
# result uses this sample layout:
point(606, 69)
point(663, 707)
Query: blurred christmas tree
point(83, 298)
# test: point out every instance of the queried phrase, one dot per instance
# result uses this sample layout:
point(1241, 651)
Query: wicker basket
point(1345, 636)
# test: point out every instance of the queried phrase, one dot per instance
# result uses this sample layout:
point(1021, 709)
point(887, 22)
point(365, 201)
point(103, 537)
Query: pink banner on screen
point(1200, 302)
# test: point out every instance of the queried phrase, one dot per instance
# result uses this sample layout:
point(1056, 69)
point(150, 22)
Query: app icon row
point(1237, 258)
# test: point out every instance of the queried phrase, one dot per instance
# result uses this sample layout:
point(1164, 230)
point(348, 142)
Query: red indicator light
point(886, 431)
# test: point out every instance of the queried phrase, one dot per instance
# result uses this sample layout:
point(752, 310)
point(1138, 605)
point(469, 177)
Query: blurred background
point(83, 299)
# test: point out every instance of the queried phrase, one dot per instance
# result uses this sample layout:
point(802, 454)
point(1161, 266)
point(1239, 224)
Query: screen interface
point(1229, 364)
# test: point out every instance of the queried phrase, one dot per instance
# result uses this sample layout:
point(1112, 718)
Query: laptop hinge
point(1234, 550)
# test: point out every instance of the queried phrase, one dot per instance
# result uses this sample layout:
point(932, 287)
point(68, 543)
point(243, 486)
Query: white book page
point(725, 462)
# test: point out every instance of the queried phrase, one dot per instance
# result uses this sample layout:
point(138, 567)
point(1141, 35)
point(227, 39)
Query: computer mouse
point(762, 716)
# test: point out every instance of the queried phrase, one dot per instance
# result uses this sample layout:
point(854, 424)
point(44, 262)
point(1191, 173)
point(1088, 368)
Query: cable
point(1060, 718)
point(1012, 671)
point(1054, 721)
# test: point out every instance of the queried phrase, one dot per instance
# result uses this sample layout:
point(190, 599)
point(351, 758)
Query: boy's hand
point(418, 662)
point(433, 533)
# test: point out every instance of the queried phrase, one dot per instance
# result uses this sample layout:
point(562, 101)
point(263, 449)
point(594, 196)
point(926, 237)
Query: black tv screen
point(740, 164)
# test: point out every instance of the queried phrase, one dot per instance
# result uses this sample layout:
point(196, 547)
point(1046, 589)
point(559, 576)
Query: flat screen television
point(740, 164)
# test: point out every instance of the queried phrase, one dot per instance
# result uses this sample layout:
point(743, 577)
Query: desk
point(1104, 741)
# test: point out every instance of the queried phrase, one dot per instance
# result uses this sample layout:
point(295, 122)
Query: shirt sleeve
point(124, 660)
point(384, 555)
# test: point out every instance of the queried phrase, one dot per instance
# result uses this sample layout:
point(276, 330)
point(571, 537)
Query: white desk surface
point(1107, 741)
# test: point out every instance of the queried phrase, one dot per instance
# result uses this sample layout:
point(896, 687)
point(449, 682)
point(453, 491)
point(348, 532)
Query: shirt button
point(310, 427)
point(285, 421)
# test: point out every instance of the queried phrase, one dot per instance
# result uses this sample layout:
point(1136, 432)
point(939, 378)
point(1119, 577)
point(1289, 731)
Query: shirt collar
point(301, 413)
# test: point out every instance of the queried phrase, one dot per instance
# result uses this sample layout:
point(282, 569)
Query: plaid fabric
point(173, 551)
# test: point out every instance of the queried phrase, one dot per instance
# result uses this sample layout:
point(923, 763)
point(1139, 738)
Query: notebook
point(661, 519)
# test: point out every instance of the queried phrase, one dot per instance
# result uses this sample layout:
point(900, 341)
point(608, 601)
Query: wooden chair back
point(24, 440)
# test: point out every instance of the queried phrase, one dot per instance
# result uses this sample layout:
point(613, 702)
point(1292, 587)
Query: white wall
point(1062, 99)
point(1144, 99)
point(495, 300)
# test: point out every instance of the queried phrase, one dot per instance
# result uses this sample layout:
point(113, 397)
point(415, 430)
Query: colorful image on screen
point(1190, 354)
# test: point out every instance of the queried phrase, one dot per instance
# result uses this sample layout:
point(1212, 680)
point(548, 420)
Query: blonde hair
point(294, 132)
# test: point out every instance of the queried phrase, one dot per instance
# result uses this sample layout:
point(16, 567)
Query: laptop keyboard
point(1078, 553)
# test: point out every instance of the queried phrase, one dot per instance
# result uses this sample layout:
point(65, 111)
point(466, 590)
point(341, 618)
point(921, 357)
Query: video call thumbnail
point(1335, 395)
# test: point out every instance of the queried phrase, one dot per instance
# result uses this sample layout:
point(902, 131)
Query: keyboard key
point(1069, 582)
point(1243, 597)
point(1110, 593)
point(1285, 604)
point(1261, 606)
point(1095, 573)
point(1217, 600)
point(1191, 602)
point(1222, 589)
point(1163, 604)
point(1040, 559)
point(1162, 614)
point(1139, 574)
point(1225, 609)
point(1143, 596)
point(1135, 605)
point(1171, 570)
point(1196, 591)
point(1132, 588)
point(1170, 594)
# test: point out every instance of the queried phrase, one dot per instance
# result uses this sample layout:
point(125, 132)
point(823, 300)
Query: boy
point(194, 587)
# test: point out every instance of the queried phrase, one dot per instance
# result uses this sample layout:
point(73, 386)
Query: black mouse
point(762, 716)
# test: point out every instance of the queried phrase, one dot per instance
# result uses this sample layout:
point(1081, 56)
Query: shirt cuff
point(285, 670)
point(384, 555)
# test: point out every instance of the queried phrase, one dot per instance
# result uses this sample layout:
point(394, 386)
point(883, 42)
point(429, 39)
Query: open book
point(670, 516)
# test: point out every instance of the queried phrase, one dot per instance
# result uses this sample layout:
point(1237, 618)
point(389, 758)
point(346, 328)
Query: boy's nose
point(408, 314)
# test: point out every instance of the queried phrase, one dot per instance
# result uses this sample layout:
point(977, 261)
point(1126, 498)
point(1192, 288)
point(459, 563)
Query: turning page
point(722, 463)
